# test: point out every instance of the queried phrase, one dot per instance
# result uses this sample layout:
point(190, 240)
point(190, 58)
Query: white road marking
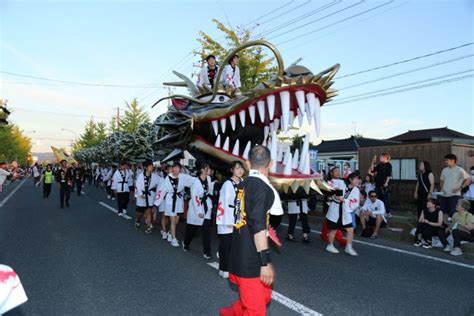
point(282, 299)
point(110, 208)
point(415, 254)
point(5, 200)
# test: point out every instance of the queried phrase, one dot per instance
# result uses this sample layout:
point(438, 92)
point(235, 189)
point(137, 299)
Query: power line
point(405, 60)
point(404, 85)
point(72, 82)
point(299, 18)
point(269, 13)
point(406, 72)
point(437, 83)
point(286, 12)
point(335, 23)
point(319, 19)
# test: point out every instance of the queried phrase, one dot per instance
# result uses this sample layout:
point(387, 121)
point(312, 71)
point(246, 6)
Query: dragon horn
point(185, 83)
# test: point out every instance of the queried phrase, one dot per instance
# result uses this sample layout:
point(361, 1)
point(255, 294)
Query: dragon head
point(221, 125)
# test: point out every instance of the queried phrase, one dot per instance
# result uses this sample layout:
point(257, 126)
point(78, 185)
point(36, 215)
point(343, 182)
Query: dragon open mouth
point(258, 121)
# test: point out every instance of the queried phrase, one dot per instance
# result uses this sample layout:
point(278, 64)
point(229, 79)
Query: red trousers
point(254, 297)
point(339, 235)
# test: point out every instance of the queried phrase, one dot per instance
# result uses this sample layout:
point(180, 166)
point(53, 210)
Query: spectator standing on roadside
point(382, 174)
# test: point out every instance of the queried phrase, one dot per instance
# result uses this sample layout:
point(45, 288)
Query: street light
point(70, 131)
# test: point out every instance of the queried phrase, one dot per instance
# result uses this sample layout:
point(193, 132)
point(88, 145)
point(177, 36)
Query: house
point(338, 151)
point(415, 146)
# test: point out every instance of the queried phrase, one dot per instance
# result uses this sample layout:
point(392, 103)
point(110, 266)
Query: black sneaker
point(207, 256)
point(306, 240)
point(291, 238)
point(418, 243)
point(137, 225)
point(148, 230)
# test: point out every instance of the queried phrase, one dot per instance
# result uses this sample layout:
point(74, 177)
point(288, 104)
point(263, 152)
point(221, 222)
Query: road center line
point(5, 200)
point(282, 299)
point(460, 264)
point(110, 208)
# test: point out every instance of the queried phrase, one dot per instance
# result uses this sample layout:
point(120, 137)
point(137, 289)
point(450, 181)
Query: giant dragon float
point(220, 125)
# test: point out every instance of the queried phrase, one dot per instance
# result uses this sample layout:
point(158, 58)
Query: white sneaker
point(119, 214)
point(164, 235)
point(330, 248)
point(175, 243)
point(217, 254)
point(350, 251)
point(108, 197)
point(447, 249)
point(170, 237)
point(113, 199)
point(124, 212)
point(456, 251)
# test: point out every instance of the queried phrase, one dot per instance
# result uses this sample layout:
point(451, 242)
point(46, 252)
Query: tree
point(14, 145)
point(93, 134)
point(254, 65)
point(297, 142)
point(101, 131)
point(113, 127)
point(134, 117)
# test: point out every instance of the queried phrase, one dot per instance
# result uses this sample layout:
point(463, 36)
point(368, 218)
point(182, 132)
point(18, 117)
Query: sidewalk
point(398, 229)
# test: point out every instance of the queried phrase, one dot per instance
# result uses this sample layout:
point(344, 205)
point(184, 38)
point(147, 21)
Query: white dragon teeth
point(276, 124)
point(308, 114)
point(218, 142)
point(304, 153)
point(288, 162)
point(247, 150)
point(226, 144)
point(306, 167)
point(300, 99)
point(300, 118)
point(296, 158)
point(271, 106)
point(311, 102)
point(242, 117)
point(215, 127)
point(252, 113)
point(223, 124)
point(232, 121)
point(317, 117)
point(285, 109)
point(236, 149)
point(261, 110)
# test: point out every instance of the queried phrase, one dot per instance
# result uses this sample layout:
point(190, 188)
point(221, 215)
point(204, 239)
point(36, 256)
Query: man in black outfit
point(64, 178)
point(79, 178)
point(250, 264)
point(383, 174)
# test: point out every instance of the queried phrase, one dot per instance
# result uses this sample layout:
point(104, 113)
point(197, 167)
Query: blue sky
point(137, 43)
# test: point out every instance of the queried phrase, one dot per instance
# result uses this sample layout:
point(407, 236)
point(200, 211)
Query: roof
point(351, 144)
point(430, 134)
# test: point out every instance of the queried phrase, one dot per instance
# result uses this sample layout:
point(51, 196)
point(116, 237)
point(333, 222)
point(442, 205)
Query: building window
point(403, 169)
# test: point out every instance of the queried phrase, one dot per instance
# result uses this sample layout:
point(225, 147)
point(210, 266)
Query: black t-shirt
point(244, 259)
point(383, 170)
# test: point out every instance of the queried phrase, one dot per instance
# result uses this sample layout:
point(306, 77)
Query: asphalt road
point(85, 260)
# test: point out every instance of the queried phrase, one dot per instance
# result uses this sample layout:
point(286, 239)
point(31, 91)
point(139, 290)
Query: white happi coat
point(196, 205)
point(231, 77)
point(152, 188)
point(108, 177)
point(119, 177)
point(164, 196)
point(103, 173)
point(350, 204)
point(225, 218)
point(294, 207)
point(203, 78)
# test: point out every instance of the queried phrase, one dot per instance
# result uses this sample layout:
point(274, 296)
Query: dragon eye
point(221, 98)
